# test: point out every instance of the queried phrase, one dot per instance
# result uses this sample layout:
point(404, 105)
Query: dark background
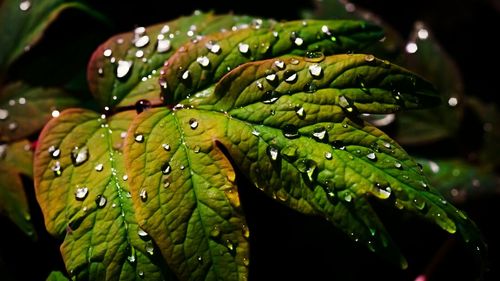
point(286, 245)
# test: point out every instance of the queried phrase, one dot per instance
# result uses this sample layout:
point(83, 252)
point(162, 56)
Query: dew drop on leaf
point(299, 110)
point(107, 53)
point(290, 131)
point(371, 156)
point(25, 5)
point(418, 203)
point(142, 41)
point(255, 132)
point(315, 70)
point(308, 167)
point(185, 75)
point(54, 152)
point(273, 152)
point(290, 76)
point(279, 64)
point(81, 193)
point(123, 68)
point(79, 155)
point(142, 105)
point(57, 169)
point(12, 126)
point(143, 194)
point(193, 123)
point(125, 177)
point(4, 114)
point(369, 58)
point(328, 155)
point(163, 46)
point(139, 138)
point(398, 165)
point(142, 233)
point(215, 232)
point(203, 61)
point(270, 96)
point(319, 133)
point(271, 77)
point(243, 48)
point(166, 146)
point(101, 201)
point(165, 168)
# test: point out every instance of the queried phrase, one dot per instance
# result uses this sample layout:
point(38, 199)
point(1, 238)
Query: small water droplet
point(163, 46)
point(308, 167)
point(196, 149)
point(142, 233)
point(185, 75)
point(328, 155)
point(273, 152)
point(165, 168)
point(57, 169)
point(107, 53)
point(143, 194)
point(166, 146)
point(294, 61)
point(12, 126)
point(142, 105)
point(139, 54)
point(411, 47)
point(310, 87)
point(54, 152)
point(369, 58)
point(319, 133)
point(290, 76)
point(99, 167)
point(348, 197)
point(243, 48)
point(270, 96)
point(419, 203)
point(213, 47)
point(131, 258)
point(123, 68)
point(423, 34)
point(25, 5)
point(271, 77)
point(141, 274)
point(371, 156)
point(182, 167)
point(203, 61)
point(279, 64)
point(383, 192)
point(125, 177)
point(255, 132)
point(398, 165)
point(4, 114)
point(200, 259)
point(290, 131)
point(79, 155)
point(315, 70)
point(452, 101)
point(81, 193)
point(193, 123)
point(139, 138)
point(101, 201)
point(142, 41)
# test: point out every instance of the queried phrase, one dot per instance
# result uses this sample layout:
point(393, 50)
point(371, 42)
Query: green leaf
point(83, 191)
point(184, 191)
point(24, 110)
point(458, 180)
point(197, 65)
point(125, 68)
point(56, 276)
point(305, 150)
point(15, 159)
point(431, 61)
point(22, 24)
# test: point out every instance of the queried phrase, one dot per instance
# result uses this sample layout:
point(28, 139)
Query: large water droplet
point(12, 126)
point(290, 131)
point(193, 123)
point(319, 133)
point(101, 201)
point(165, 168)
point(290, 76)
point(79, 155)
point(143, 194)
point(163, 46)
point(270, 96)
point(107, 53)
point(308, 167)
point(142, 41)
point(273, 152)
point(25, 5)
point(81, 193)
point(142, 105)
point(371, 156)
point(315, 70)
point(123, 68)
point(243, 48)
point(142, 233)
point(203, 61)
point(383, 192)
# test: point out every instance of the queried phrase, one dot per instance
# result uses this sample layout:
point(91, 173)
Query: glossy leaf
point(16, 159)
point(83, 191)
point(22, 24)
point(197, 65)
point(24, 110)
point(125, 68)
point(184, 191)
point(306, 150)
point(430, 60)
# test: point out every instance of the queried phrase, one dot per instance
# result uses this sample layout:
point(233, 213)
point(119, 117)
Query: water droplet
point(308, 167)
point(273, 152)
point(328, 155)
point(371, 156)
point(294, 61)
point(25, 5)
point(347, 197)
point(185, 75)
point(213, 47)
point(143, 194)
point(101, 201)
point(255, 132)
point(54, 152)
point(131, 258)
point(99, 167)
point(259, 85)
point(12, 126)
point(142, 41)
point(387, 145)
point(290, 76)
point(369, 58)
point(142, 105)
point(319, 133)
point(107, 53)
point(423, 34)
point(4, 114)
point(434, 167)
point(203, 61)
point(81, 193)
point(411, 47)
point(383, 192)
point(271, 77)
point(125, 177)
point(166, 146)
point(296, 39)
point(56, 168)
point(79, 155)
point(215, 232)
point(123, 68)
point(452, 101)
point(270, 96)
point(398, 165)
point(142, 233)
point(200, 259)
point(163, 46)
point(419, 203)
point(243, 48)
point(165, 168)
point(290, 131)
point(279, 64)
point(141, 274)
point(139, 138)
point(193, 123)
point(139, 54)
point(315, 70)
point(22, 101)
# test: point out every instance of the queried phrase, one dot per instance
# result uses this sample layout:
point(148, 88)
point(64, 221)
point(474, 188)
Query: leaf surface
point(24, 110)
point(83, 191)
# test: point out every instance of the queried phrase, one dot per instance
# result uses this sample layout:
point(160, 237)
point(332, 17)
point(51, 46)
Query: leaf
point(197, 65)
point(83, 191)
point(184, 191)
point(431, 61)
point(125, 68)
point(24, 109)
point(16, 159)
point(22, 24)
point(303, 149)
point(56, 276)
point(460, 181)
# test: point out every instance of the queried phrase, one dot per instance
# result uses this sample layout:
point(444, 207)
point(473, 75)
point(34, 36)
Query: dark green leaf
point(185, 195)
point(83, 191)
point(125, 68)
point(24, 110)
point(197, 65)
point(15, 159)
point(22, 24)
point(57, 276)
